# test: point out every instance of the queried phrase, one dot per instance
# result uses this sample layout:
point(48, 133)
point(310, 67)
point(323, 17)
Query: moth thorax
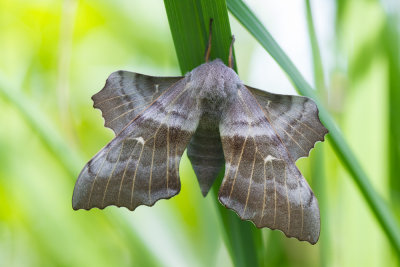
point(214, 85)
point(211, 105)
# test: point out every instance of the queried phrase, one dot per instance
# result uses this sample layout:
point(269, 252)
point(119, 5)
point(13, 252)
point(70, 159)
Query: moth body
point(256, 134)
point(215, 86)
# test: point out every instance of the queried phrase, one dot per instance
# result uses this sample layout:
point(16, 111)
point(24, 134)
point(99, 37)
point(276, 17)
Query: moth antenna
point(231, 52)
point(208, 49)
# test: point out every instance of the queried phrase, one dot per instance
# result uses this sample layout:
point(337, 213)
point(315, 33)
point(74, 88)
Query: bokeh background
point(54, 55)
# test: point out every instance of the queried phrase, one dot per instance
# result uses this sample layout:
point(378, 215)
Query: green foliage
point(189, 23)
point(391, 44)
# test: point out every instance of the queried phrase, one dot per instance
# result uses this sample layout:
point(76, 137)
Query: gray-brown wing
point(126, 94)
point(261, 182)
point(294, 118)
point(140, 165)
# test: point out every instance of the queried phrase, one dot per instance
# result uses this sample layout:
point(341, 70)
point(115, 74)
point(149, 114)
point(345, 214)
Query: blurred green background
point(54, 55)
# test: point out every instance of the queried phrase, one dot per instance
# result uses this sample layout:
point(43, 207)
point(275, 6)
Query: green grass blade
point(318, 176)
point(392, 51)
point(242, 238)
point(379, 208)
point(316, 54)
point(317, 159)
point(189, 22)
point(188, 43)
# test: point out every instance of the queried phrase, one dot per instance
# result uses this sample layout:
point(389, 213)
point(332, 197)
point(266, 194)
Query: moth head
point(214, 82)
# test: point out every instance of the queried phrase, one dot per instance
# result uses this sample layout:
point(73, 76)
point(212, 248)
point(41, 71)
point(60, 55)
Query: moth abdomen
point(205, 152)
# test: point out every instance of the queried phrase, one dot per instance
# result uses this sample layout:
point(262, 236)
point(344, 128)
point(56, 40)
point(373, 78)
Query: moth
point(257, 135)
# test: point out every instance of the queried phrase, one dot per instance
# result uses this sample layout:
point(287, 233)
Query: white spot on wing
point(269, 158)
point(140, 140)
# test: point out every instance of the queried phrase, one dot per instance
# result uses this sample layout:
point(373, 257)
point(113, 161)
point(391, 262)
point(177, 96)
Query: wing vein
point(167, 159)
point(275, 198)
point(124, 104)
point(152, 162)
point(112, 173)
point(227, 174)
point(292, 139)
point(176, 162)
point(123, 176)
point(294, 128)
point(301, 206)
point(238, 165)
point(299, 121)
point(264, 195)
point(125, 113)
point(111, 98)
point(251, 180)
point(94, 180)
point(287, 199)
point(134, 176)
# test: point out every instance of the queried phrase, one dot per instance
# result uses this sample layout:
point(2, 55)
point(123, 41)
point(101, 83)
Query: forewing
point(295, 120)
point(140, 165)
point(126, 94)
point(261, 182)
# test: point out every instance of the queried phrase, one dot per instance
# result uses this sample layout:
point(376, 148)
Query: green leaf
point(317, 61)
point(189, 23)
point(379, 208)
point(317, 165)
point(391, 42)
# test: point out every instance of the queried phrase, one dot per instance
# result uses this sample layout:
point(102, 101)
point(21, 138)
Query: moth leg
point(208, 48)
point(231, 52)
